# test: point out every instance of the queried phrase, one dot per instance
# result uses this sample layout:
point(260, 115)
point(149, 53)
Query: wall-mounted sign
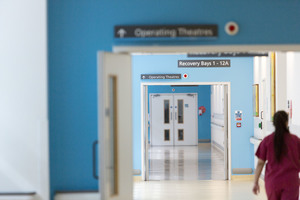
point(160, 76)
point(203, 63)
point(166, 31)
point(238, 115)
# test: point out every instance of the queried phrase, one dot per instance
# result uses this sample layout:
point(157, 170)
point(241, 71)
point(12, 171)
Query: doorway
point(206, 160)
point(222, 75)
point(236, 84)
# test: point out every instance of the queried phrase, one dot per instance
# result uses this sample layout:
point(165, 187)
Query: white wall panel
point(281, 81)
point(257, 79)
point(293, 82)
point(217, 119)
point(23, 103)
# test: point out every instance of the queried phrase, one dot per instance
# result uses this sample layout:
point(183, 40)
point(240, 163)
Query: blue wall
point(240, 75)
point(73, 43)
point(203, 91)
point(78, 29)
point(260, 22)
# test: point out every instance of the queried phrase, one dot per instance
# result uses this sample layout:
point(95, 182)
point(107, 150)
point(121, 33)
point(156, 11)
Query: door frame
point(205, 48)
point(144, 120)
point(175, 94)
point(184, 49)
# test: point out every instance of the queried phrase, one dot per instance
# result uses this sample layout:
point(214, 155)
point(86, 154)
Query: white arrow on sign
point(122, 33)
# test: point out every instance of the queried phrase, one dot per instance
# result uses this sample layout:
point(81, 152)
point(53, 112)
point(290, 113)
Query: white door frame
point(144, 120)
point(198, 49)
point(205, 48)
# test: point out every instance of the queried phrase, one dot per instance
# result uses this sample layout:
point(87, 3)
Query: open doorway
point(185, 131)
point(240, 81)
point(239, 78)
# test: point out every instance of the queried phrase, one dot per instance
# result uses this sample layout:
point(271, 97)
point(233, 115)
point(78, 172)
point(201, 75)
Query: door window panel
point(167, 134)
point(180, 111)
point(113, 136)
point(167, 111)
point(180, 134)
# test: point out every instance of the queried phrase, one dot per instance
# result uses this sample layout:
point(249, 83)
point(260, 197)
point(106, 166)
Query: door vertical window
point(180, 134)
point(180, 111)
point(166, 111)
point(167, 134)
point(113, 136)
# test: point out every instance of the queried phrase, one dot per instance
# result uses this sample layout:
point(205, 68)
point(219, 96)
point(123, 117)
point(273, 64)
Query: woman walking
point(281, 151)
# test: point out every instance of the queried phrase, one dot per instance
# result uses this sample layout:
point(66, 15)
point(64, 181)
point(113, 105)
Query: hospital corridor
point(146, 100)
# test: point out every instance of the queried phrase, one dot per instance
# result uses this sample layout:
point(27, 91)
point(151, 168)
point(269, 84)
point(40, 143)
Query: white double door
point(173, 119)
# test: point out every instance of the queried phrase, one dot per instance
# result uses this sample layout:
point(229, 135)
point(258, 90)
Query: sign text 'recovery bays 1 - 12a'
point(203, 63)
point(166, 31)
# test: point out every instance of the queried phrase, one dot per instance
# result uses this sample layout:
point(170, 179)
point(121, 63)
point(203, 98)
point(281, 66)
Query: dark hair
point(281, 128)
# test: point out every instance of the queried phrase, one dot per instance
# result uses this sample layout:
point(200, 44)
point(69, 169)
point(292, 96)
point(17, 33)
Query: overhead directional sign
point(203, 63)
point(160, 76)
point(166, 31)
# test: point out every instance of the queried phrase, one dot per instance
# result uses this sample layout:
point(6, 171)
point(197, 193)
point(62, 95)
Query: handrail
point(17, 193)
point(222, 126)
point(75, 191)
point(255, 140)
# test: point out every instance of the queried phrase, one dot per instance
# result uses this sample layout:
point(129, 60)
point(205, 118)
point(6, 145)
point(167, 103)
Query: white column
point(23, 103)
point(281, 82)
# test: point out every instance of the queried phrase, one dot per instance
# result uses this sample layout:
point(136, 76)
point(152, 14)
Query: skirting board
point(77, 196)
point(217, 146)
point(137, 178)
point(16, 197)
point(242, 177)
point(204, 141)
point(242, 171)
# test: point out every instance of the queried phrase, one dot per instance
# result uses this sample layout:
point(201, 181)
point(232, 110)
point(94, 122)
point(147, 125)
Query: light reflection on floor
point(201, 162)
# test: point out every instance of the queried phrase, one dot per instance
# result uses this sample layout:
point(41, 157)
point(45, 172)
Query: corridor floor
point(196, 190)
point(191, 173)
point(182, 190)
point(201, 162)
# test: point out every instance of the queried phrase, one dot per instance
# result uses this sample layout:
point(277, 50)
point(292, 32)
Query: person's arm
point(259, 167)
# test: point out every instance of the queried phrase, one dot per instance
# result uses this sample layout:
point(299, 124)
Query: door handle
point(175, 115)
point(261, 114)
point(95, 160)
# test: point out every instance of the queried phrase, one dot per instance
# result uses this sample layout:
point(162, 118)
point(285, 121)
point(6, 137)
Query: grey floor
point(202, 162)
